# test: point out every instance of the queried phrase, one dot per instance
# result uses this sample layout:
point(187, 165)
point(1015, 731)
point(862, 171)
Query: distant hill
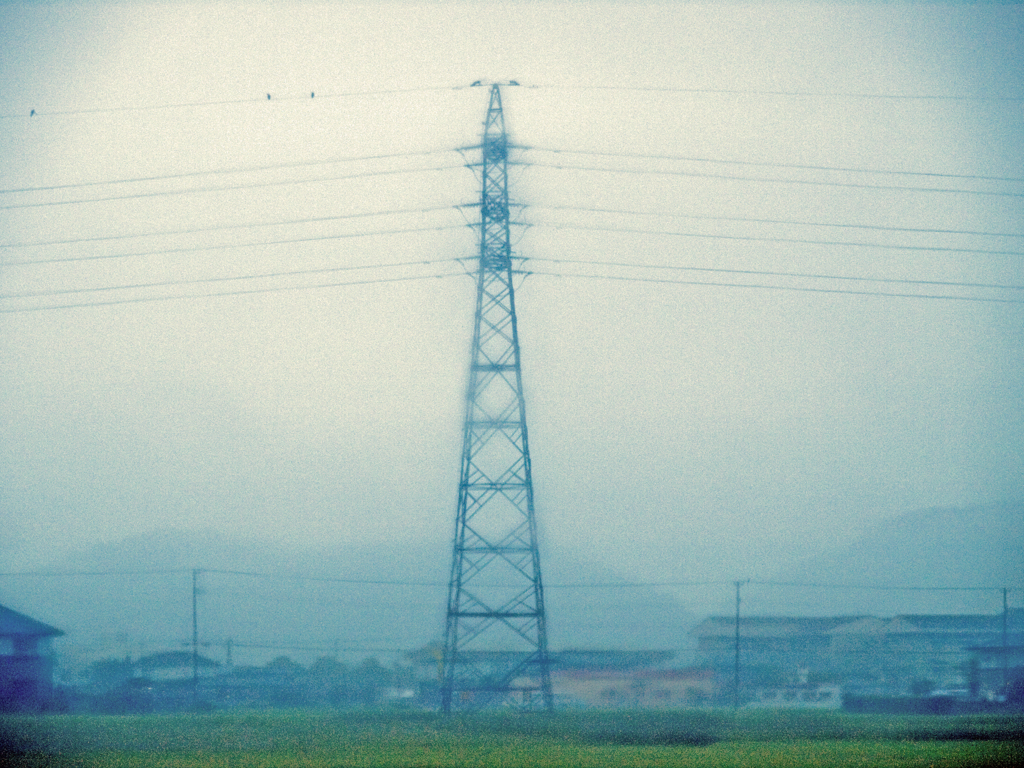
point(135, 597)
point(961, 547)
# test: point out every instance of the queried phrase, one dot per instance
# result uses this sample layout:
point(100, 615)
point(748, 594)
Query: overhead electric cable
point(764, 273)
point(812, 182)
point(567, 585)
point(778, 287)
point(328, 579)
point(44, 112)
point(688, 158)
point(756, 92)
point(323, 648)
point(200, 281)
point(218, 171)
point(526, 273)
point(884, 588)
point(260, 243)
point(222, 227)
point(321, 95)
point(884, 246)
point(252, 185)
point(279, 289)
point(923, 230)
point(47, 574)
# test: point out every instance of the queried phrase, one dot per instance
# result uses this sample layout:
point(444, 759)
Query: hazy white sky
point(677, 430)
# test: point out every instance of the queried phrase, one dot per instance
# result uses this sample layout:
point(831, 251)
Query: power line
point(44, 112)
point(764, 273)
point(566, 585)
point(812, 182)
point(249, 169)
point(327, 579)
point(222, 227)
point(530, 272)
point(397, 211)
point(778, 287)
point(197, 248)
point(319, 96)
point(923, 230)
point(756, 92)
point(637, 584)
point(884, 588)
point(687, 158)
point(778, 239)
point(230, 293)
point(252, 185)
point(325, 649)
point(47, 574)
point(200, 281)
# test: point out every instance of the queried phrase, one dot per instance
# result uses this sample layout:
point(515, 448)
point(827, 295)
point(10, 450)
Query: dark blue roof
point(13, 623)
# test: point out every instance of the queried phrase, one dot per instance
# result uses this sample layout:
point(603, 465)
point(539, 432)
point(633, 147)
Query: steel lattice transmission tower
point(496, 638)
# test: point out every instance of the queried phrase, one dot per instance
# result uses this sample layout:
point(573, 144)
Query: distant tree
point(290, 689)
point(370, 678)
point(285, 666)
point(326, 668)
point(329, 682)
point(110, 673)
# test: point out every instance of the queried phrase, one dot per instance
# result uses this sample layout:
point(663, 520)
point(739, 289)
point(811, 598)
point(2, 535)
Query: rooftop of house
point(14, 624)
point(772, 626)
point(945, 623)
point(690, 673)
point(169, 660)
point(795, 626)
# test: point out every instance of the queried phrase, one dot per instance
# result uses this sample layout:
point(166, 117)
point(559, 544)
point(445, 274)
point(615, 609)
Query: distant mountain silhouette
point(958, 547)
point(134, 597)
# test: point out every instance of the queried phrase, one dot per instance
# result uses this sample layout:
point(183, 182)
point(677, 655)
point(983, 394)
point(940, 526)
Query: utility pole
point(195, 637)
point(736, 663)
point(495, 636)
point(1006, 616)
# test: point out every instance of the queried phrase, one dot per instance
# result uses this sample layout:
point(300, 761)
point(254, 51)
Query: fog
point(758, 328)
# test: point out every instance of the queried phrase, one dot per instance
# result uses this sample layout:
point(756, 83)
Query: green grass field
point(319, 739)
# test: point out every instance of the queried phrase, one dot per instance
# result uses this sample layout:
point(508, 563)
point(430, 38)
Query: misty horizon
point(770, 307)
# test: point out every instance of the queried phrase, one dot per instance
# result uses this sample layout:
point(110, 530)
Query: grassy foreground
point(319, 739)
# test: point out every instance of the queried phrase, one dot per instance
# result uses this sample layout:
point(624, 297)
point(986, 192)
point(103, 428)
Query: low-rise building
point(906, 654)
point(633, 688)
point(26, 662)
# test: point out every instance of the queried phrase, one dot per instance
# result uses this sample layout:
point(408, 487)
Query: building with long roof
point(26, 662)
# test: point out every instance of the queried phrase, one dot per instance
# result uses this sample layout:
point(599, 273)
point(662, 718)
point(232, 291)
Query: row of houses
point(782, 661)
point(907, 654)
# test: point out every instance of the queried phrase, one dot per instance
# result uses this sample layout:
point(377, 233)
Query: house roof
point(651, 675)
point(172, 660)
point(593, 659)
point(906, 624)
point(13, 624)
point(867, 625)
point(771, 626)
point(914, 623)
